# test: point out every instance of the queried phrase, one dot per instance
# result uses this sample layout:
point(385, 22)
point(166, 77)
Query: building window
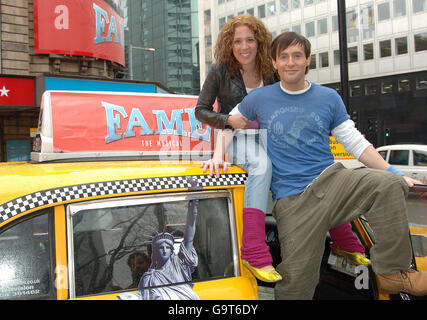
point(386, 86)
point(271, 8)
point(207, 15)
point(401, 45)
point(383, 11)
point(308, 2)
point(399, 8)
point(221, 23)
point(324, 59)
point(385, 48)
point(220, 1)
point(355, 90)
point(352, 25)
point(421, 83)
point(208, 40)
point(251, 11)
point(261, 11)
point(296, 28)
point(309, 29)
point(334, 23)
point(367, 23)
point(322, 26)
point(352, 54)
point(284, 5)
point(420, 41)
point(295, 4)
point(403, 85)
point(419, 5)
point(230, 17)
point(337, 57)
point(368, 51)
point(312, 62)
point(370, 89)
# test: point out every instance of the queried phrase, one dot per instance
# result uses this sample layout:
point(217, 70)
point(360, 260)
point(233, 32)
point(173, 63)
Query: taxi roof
point(44, 184)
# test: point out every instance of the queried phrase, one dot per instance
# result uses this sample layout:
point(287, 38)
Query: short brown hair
point(286, 39)
point(224, 45)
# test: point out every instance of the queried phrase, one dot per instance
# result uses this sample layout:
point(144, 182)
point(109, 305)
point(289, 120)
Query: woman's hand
point(238, 121)
point(214, 165)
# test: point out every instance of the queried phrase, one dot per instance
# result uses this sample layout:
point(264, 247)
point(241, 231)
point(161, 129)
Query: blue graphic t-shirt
point(298, 127)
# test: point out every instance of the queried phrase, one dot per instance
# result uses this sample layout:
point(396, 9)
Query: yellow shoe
point(356, 257)
point(263, 275)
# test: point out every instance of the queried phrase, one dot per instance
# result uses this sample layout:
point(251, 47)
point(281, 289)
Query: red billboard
point(16, 91)
point(83, 121)
point(91, 28)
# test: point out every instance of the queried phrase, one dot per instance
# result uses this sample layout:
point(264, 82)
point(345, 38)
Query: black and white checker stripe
point(96, 189)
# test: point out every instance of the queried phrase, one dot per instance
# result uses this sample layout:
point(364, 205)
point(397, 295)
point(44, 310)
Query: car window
point(399, 157)
point(112, 245)
point(420, 158)
point(25, 268)
point(383, 154)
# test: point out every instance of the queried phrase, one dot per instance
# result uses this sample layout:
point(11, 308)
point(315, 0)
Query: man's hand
point(238, 121)
point(411, 181)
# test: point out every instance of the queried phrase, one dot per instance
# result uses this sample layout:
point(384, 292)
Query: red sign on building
point(17, 91)
point(80, 27)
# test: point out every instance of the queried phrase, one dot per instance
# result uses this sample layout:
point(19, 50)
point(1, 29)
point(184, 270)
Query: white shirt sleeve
point(351, 138)
point(235, 110)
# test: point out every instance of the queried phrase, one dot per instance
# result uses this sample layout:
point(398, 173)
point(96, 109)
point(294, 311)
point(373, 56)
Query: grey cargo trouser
point(337, 196)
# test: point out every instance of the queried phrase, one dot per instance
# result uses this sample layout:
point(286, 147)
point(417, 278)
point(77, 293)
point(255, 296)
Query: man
point(313, 193)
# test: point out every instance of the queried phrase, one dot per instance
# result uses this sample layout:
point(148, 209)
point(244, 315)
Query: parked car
point(411, 159)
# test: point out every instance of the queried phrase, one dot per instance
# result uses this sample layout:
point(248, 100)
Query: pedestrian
point(315, 194)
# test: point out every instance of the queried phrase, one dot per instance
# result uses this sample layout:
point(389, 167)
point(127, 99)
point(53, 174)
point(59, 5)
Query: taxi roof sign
point(107, 125)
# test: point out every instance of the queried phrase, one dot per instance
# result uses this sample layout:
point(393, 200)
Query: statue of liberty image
point(168, 267)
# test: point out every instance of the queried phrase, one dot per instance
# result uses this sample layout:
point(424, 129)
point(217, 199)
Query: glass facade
point(162, 43)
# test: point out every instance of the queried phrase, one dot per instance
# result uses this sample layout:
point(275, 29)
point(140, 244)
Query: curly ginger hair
point(224, 45)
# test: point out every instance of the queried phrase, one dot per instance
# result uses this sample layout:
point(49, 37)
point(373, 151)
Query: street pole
point(342, 32)
point(131, 47)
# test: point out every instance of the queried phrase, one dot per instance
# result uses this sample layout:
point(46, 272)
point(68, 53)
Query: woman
point(243, 64)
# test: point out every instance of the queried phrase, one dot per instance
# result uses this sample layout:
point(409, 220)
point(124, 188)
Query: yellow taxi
point(80, 224)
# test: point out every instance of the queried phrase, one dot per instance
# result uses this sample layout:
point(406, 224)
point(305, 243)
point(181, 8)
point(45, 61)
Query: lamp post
point(131, 47)
point(342, 31)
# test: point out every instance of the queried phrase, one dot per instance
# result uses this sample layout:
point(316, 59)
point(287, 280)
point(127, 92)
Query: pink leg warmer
point(343, 238)
point(254, 249)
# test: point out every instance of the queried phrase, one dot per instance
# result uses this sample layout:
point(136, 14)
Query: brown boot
point(408, 281)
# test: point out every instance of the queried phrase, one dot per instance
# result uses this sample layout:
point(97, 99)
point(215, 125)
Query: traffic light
point(373, 126)
point(355, 118)
point(387, 133)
